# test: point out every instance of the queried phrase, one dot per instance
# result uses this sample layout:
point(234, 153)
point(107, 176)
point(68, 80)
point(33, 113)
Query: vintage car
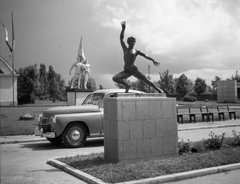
point(73, 124)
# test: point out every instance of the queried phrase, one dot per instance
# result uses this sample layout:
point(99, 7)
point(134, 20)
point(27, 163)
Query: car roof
point(107, 91)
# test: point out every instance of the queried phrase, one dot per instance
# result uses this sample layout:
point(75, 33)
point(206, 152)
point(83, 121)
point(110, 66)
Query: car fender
point(93, 121)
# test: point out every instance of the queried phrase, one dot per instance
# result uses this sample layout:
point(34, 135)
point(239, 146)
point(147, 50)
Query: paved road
point(25, 163)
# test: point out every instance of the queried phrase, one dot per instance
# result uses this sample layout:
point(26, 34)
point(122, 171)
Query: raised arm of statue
point(122, 35)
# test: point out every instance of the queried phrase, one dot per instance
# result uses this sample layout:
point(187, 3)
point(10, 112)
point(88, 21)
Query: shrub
point(43, 97)
point(190, 147)
point(235, 141)
point(25, 99)
point(189, 98)
point(214, 142)
point(183, 147)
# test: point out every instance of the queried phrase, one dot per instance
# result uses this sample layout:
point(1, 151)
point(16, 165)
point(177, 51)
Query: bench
point(225, 109)
point(190, 113)
point(205, 112)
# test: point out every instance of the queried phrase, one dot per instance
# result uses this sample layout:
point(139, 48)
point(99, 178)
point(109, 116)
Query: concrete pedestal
point(76, 96)
point(139, 128)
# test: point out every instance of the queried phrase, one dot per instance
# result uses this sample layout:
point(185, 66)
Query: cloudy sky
point(200, 38)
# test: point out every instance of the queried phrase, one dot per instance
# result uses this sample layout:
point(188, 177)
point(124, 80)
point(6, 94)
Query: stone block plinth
point(139, 128)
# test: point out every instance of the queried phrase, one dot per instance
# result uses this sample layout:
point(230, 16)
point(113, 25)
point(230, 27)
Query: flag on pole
point(80, 50)
point(6, 38)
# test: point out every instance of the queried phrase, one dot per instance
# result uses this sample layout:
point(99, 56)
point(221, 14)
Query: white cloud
point(206, 33)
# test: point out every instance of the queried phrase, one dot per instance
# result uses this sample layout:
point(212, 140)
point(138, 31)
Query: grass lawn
point(95, 165)
point(10, 123)
point(215, 151)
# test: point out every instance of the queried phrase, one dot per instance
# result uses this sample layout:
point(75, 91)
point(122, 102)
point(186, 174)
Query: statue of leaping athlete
point(130, 54)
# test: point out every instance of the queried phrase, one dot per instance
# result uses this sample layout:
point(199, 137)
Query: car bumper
point(39, 132)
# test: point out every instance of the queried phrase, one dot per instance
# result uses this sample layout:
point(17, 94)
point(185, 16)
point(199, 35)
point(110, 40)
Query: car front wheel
point(75, 135)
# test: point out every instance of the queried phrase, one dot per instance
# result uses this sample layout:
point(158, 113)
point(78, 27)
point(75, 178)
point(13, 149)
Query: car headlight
point(39, 117)
point(53, 119)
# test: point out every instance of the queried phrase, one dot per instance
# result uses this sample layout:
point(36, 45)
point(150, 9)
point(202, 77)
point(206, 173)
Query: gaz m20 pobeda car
point(73, 124)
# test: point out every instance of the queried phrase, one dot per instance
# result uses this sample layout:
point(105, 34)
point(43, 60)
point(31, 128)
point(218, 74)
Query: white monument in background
point(75, 96)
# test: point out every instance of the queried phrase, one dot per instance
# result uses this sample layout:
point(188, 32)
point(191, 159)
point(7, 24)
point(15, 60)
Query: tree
point(61, 86)
point(141, 86)
point(182, 85)
point(91, 84)
point(200, 86)
point(100, 87)
point(53, 88)
point(138, 85)
point(27, 82)
point(42, 81)
point(209, 90)
point(236, 77)
point(167, 83)
point(214, 83)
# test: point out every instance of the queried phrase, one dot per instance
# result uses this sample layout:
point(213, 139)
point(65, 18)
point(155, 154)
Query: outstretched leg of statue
point(120, 78)
point(143, 78)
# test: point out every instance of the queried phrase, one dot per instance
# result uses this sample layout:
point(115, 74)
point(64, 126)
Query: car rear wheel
point(56, 140)
point(75, 135)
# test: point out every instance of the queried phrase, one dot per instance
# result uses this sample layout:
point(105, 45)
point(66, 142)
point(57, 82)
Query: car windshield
point(93, 99)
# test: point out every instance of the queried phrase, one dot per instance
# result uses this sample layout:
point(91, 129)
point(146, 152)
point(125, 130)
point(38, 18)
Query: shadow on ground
point(36, 146)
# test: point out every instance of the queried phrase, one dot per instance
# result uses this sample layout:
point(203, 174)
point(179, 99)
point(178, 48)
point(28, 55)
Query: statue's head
point(131, 40)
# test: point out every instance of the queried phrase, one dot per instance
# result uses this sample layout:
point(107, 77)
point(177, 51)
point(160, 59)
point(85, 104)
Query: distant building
point(6, 84)
point(228, 91)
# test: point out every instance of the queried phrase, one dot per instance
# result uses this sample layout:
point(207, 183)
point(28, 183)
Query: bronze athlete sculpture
point(130, 54)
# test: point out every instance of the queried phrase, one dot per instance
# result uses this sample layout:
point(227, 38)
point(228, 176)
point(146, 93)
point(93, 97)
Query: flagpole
point(148, 78)
point(13, 45)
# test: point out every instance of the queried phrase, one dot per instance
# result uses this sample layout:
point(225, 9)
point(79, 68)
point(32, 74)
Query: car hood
point(70, 110)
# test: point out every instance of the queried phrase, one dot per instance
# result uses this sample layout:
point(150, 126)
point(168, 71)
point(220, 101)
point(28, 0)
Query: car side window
point(94, 99)
point(88, 100)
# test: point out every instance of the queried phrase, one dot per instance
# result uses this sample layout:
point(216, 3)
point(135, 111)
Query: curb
point(22, 141)
point(75, 172)
point(207, 127)
point(161, 179)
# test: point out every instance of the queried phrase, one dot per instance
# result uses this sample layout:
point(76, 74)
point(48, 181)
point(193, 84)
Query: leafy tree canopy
point(200, 86)
point(167, 82)
point(182, 85)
